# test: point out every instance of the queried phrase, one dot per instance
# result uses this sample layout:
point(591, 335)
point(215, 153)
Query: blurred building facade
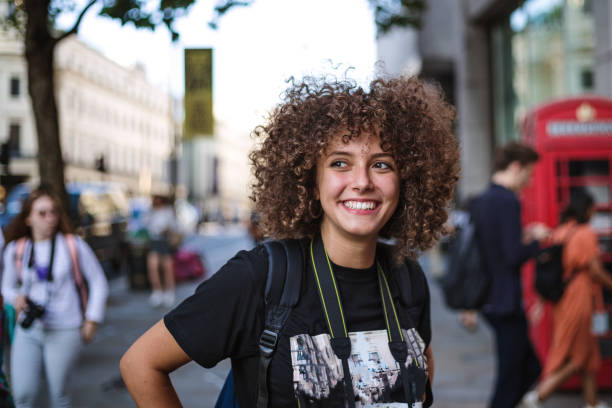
point(497, 59)
point(114, 125)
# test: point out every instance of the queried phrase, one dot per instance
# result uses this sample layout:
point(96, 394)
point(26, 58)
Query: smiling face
point(358, 187)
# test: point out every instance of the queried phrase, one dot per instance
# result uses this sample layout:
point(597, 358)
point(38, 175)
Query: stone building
point(105, 111)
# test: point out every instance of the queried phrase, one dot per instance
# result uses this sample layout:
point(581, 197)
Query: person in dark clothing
point(338, 167)
point(505, 247)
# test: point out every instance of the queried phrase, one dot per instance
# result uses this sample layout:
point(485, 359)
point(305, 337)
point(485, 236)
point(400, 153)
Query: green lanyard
point(334, 315)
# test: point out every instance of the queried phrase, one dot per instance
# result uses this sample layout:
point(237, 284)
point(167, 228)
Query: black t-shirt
point(224, 318)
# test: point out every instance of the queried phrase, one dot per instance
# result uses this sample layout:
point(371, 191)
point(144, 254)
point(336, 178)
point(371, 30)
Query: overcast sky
point(256, 48)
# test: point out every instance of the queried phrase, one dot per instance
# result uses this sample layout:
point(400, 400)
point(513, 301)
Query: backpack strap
point(19, 251)
point(79, 280)
point(282, 292)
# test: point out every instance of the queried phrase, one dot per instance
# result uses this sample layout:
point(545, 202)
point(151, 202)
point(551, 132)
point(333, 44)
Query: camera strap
point(49, 272)
point(32, 260)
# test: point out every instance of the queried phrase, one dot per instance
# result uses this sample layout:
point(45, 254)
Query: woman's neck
point(350, 253)
point(40, 237)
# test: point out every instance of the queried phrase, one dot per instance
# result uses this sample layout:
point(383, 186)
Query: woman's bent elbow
point(127, 366)
point(134, 368)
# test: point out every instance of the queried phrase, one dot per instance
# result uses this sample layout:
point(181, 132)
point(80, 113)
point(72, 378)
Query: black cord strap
point(332, 308)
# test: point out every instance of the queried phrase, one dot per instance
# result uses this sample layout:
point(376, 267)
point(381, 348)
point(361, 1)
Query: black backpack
point(549, 283)
point(466, 283)
point(282, 292)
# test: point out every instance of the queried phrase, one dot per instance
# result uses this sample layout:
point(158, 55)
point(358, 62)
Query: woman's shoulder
point(572, 232)
point(70, 238)
point(256, 257)
point(411, 282)
point(585, 234)
point(10, 247)
point(415, 272)
point(245, 266)
point(585, 230)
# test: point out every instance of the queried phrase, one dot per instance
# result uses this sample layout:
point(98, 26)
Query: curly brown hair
point(413, 122)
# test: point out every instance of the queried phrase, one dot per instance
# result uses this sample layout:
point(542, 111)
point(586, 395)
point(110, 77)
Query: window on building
point(542, 51)
point(10, 10)
point(586, 79)
point(15, 139)
point(15, 86)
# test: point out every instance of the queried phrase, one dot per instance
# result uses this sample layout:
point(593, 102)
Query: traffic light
point(100, 165)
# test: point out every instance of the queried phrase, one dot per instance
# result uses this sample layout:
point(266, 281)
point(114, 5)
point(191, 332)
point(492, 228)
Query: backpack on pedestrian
point(549, 282)
point(466, 283)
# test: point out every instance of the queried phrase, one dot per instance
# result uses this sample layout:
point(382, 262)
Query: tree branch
point(75, 27)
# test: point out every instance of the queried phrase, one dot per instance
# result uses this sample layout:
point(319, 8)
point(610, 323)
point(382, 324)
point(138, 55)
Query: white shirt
point(60, 297)
point(160, 220)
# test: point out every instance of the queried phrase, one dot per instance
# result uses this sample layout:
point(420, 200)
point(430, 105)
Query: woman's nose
point(361, 178)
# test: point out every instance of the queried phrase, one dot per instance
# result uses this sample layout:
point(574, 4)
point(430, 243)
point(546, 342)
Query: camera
point(31, 312)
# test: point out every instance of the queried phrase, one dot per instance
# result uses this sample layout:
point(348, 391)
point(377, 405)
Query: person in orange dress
point(574, 348)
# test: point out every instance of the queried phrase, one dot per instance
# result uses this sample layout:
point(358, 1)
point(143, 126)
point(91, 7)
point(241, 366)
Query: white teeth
point(360, 205)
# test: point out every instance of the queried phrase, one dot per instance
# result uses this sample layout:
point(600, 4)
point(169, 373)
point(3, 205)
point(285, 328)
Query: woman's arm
point(430, 364)
point(146, 366)
point(10, 287)
point(96, 279)
point(599, 273)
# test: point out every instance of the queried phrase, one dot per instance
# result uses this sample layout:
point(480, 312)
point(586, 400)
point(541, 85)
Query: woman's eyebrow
point(382, 154)
point(347, 154)
point(339, 153)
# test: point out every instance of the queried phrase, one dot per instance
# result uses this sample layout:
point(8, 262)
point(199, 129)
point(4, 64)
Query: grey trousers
point(56, 350)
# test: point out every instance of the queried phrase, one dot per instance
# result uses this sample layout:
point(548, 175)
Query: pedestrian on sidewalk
point(574, 348)
point(338, 167)
point(505, 247)
point(163, 232)
point(58, 289)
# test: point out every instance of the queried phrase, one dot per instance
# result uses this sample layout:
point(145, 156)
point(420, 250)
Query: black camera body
point(31, 312)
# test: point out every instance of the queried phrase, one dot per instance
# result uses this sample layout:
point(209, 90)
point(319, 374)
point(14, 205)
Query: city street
point(132, 124)
point(464, 361)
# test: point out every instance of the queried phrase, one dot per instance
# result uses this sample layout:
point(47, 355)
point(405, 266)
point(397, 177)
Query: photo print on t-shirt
point(317, 372)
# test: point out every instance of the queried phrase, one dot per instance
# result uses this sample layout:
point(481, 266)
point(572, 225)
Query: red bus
point(574, 139)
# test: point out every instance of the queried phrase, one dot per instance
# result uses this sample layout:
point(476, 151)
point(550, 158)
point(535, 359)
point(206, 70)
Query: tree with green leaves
point(35, 19)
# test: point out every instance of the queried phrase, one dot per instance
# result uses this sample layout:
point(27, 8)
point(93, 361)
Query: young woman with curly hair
point(338, 168)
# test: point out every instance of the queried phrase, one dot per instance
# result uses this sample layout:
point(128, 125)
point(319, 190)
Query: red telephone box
point(574, 140)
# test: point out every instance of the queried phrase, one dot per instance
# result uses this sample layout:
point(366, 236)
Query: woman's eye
point(338, 163)
point(382, 165)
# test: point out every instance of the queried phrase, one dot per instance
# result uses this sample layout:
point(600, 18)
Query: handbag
point(600, 323)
